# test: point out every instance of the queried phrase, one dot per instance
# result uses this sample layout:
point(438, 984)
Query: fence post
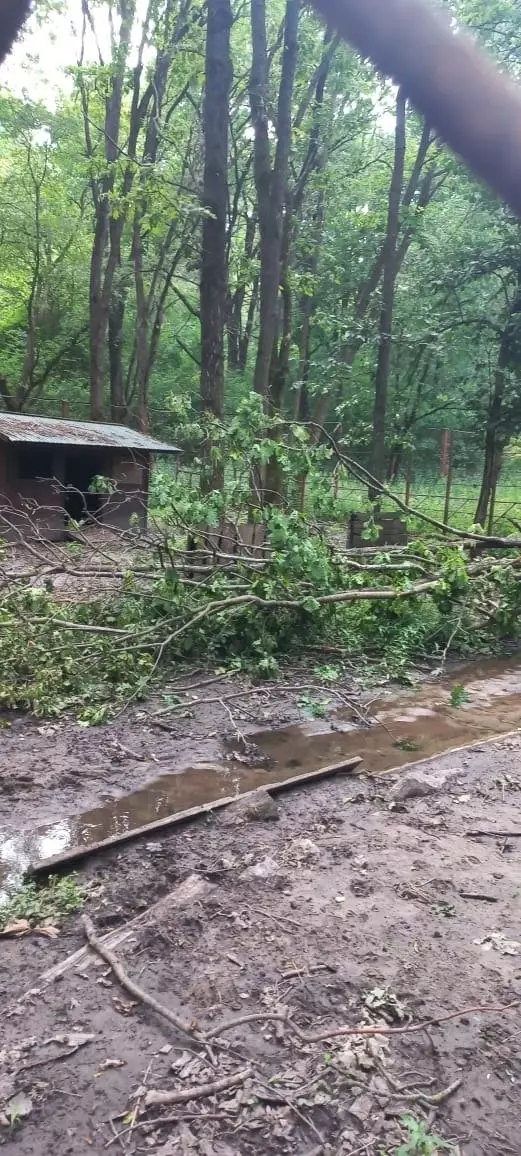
point(66, 409)
point(448, 459)
point(408, 482)
point(445, 452)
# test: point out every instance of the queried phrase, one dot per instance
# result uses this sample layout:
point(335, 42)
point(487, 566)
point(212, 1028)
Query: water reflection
point(413, 725)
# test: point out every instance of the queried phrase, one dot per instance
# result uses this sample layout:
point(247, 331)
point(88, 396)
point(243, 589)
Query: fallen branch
point(364, 1030)
point(494, 834)
point(134, 988)
point(157, 1096)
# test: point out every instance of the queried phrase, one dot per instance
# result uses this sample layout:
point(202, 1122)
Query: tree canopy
point(221, 198)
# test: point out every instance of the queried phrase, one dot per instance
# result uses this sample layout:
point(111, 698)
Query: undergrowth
point(94, 656)
point(53, 658)
point(39, 905)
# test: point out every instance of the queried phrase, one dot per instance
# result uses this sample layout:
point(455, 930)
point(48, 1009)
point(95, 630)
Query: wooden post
point(408, 482)
point(66, 409)
point(445, 452)
point(448, 486)
point(336, 480)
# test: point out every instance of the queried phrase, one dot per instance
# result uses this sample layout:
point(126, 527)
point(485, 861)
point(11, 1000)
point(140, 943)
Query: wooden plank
point(75, 854)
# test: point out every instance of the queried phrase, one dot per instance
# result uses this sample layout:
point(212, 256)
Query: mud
point(413, 724)
point(361, 906)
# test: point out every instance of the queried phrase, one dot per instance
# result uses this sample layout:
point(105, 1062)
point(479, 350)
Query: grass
point(38, 905)
point(427, 495)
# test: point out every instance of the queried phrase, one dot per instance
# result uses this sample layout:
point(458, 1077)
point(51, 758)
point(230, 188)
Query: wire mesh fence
point(440, 477)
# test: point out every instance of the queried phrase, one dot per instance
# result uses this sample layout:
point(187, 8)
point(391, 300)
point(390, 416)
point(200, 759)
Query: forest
point(220, 225)
point(216, 199)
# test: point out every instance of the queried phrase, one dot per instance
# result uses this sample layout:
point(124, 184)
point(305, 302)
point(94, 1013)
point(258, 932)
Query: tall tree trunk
point(115, 347)
point(214, 273)
point(509, 356)
point(97, 311)
point(390, 270)
point(236, 298)
point(270, 182)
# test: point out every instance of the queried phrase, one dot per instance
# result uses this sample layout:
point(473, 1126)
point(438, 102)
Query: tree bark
point(270, 182)
point(390, 270)
point(214, 273)
point(496, 436)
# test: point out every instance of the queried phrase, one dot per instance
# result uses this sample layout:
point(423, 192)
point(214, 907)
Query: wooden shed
point(52, 471)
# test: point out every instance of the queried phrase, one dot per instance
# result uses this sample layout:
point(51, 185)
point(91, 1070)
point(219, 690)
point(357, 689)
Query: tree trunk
point(115, 344)
point(237, 298)
point(214, 273)
point(270, 183)
point(98, 317)
point(390, 270)
point(494, 445)
point(496, 438)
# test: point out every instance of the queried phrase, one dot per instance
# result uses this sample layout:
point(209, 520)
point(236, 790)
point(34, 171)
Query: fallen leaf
point(16, 927)
point(19, 1106)
point(71, 1039)
point(48, 930)
point(123, 1007)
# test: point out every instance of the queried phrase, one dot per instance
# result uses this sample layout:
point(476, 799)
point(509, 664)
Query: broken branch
point(157, 1096)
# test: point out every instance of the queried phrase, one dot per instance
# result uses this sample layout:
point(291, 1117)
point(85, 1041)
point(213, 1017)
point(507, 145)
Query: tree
point(214, 279)
point(389, 274)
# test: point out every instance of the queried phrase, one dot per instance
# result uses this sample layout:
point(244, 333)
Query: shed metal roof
point(21, 427)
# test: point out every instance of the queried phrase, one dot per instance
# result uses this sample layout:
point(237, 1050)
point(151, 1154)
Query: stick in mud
point(77, 853)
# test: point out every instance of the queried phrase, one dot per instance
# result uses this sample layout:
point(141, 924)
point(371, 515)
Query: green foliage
point(94, 656)
point(50, 903)
point(420, 1140)
point(458, 696)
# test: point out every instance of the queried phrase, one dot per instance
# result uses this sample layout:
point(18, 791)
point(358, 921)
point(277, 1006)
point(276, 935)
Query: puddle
point(412, 725)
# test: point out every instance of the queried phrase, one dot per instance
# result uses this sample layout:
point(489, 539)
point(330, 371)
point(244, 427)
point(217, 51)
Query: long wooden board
point(76, 853)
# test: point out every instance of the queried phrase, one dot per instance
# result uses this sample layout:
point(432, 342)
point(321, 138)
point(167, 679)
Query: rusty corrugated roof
point(21, 427)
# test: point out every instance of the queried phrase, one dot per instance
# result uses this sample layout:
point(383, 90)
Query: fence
point(441, 477)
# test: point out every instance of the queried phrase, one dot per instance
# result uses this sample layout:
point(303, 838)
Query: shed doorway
point(81, 468)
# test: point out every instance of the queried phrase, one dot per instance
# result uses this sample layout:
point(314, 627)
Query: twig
point(157, 1096)
point(477, 895)
point(133, 988)
point(494, 834)
point(162, 1121)
point(294, 1108)
point(440, 1097)
point(299, 973)
point(276, 918)
point(363, 1030)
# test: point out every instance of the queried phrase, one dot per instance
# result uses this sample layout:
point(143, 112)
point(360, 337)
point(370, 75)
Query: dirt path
point(351, 906)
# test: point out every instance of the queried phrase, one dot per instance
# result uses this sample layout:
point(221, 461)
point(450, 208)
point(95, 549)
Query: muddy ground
point(355, 902)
